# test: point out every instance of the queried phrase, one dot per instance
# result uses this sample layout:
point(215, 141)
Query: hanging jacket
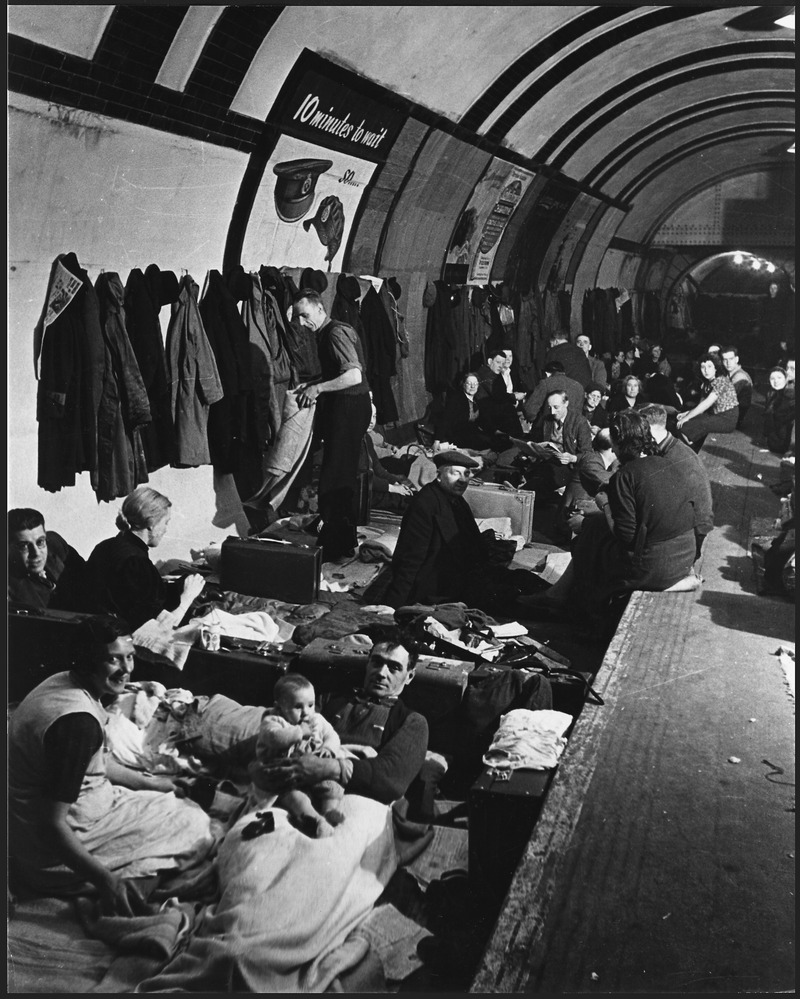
point(462, 331)
point(231, 420)
point(346, 309)
point(382, 356)
point(194, 381)
point(529, 330)
point(68, 356)
point(440, 346)
point(271, 365)
point(124, 407)
point(142, 309)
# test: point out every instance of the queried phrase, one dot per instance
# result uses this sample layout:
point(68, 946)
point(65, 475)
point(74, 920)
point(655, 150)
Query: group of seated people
point(118, 577)
point(484, 410)
point(81, 821)
point(637, 501)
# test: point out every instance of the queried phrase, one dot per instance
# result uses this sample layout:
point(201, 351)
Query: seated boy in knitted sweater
point(290, 728)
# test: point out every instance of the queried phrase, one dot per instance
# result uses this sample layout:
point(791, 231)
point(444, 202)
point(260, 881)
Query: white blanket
point(289, 906)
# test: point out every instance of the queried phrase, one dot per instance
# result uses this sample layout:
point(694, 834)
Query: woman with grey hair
point(125, 580)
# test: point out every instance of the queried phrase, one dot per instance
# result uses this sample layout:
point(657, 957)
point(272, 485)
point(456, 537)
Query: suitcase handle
point(278, 541)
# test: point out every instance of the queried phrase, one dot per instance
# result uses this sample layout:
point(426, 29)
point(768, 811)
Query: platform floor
point(660, 865)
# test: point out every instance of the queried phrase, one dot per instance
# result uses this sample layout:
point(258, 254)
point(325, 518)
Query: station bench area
point(658, 860)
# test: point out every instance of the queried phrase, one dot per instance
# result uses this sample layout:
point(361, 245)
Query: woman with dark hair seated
point(461, 419)
point(74, 814)
point(718, 408)
point(643, 538)
point(779, 412)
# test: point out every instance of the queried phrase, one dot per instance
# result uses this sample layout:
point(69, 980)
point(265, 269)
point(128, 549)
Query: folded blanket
point(157, 934)
point(529, 740)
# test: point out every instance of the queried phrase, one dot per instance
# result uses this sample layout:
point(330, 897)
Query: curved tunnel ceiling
point(639, 104)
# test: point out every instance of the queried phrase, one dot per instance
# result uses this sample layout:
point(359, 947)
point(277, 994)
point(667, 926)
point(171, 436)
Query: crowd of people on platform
point(612, 443)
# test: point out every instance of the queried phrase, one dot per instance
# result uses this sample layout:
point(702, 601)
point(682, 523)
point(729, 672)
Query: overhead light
point(771, 268)
point(756, 265)
point(738, 258)
point(787, 21)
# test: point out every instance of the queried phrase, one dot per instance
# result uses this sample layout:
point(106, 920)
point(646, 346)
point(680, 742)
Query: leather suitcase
point(245, 675)
point(271, 567)
point(333, 665)
point(39, 645)
point(436, 692)
point(503, 809)
point(489, 500)
point(336, 666)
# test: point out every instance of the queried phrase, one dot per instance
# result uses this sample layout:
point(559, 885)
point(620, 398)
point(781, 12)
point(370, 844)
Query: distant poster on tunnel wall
point(305, 207)
point(336, 127)
point(482, 223)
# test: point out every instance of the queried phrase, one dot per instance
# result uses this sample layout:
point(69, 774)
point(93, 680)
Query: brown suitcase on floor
point(271, 567)
point(488, 500)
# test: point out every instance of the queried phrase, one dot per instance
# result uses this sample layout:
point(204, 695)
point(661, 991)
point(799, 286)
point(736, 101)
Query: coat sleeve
point(583, 437)
point(387, 776)
point(622, 502)
point(411, 551)
point(534, 402)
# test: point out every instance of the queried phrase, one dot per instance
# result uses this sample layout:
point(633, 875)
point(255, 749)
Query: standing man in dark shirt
point(343, 417)
point(576, 364)
point(43, 570)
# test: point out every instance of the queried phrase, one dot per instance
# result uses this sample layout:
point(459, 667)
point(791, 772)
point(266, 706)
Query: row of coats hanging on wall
point(467, 322)
point(115, 400)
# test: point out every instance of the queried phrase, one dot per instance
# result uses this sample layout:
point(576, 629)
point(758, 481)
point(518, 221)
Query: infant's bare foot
point(324, 828)
point(334, 817)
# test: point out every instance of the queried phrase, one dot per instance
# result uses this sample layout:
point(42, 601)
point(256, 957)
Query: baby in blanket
point(291, 728)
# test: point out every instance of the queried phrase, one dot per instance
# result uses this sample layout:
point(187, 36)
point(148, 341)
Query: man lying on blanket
point(373, 717)
point(263, 934)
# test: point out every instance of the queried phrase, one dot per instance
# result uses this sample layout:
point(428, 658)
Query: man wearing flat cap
point(441, 555)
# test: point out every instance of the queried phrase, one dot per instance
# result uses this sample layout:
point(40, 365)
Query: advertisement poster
point(336, 128)
point(482, 223)
point(305, 207)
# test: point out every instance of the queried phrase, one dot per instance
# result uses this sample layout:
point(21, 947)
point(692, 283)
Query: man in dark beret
point(441, 555)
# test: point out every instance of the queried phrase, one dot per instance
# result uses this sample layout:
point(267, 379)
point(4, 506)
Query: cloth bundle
point(528, 740)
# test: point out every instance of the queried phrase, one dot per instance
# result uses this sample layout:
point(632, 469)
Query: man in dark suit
point(495, 397)
point(441, 556)
point(571, 356)
point(439, 546)
point(558, 443)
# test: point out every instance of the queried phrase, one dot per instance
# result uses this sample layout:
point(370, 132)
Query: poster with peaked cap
point(335, 128)
point(483, 221)
point(304, 207)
